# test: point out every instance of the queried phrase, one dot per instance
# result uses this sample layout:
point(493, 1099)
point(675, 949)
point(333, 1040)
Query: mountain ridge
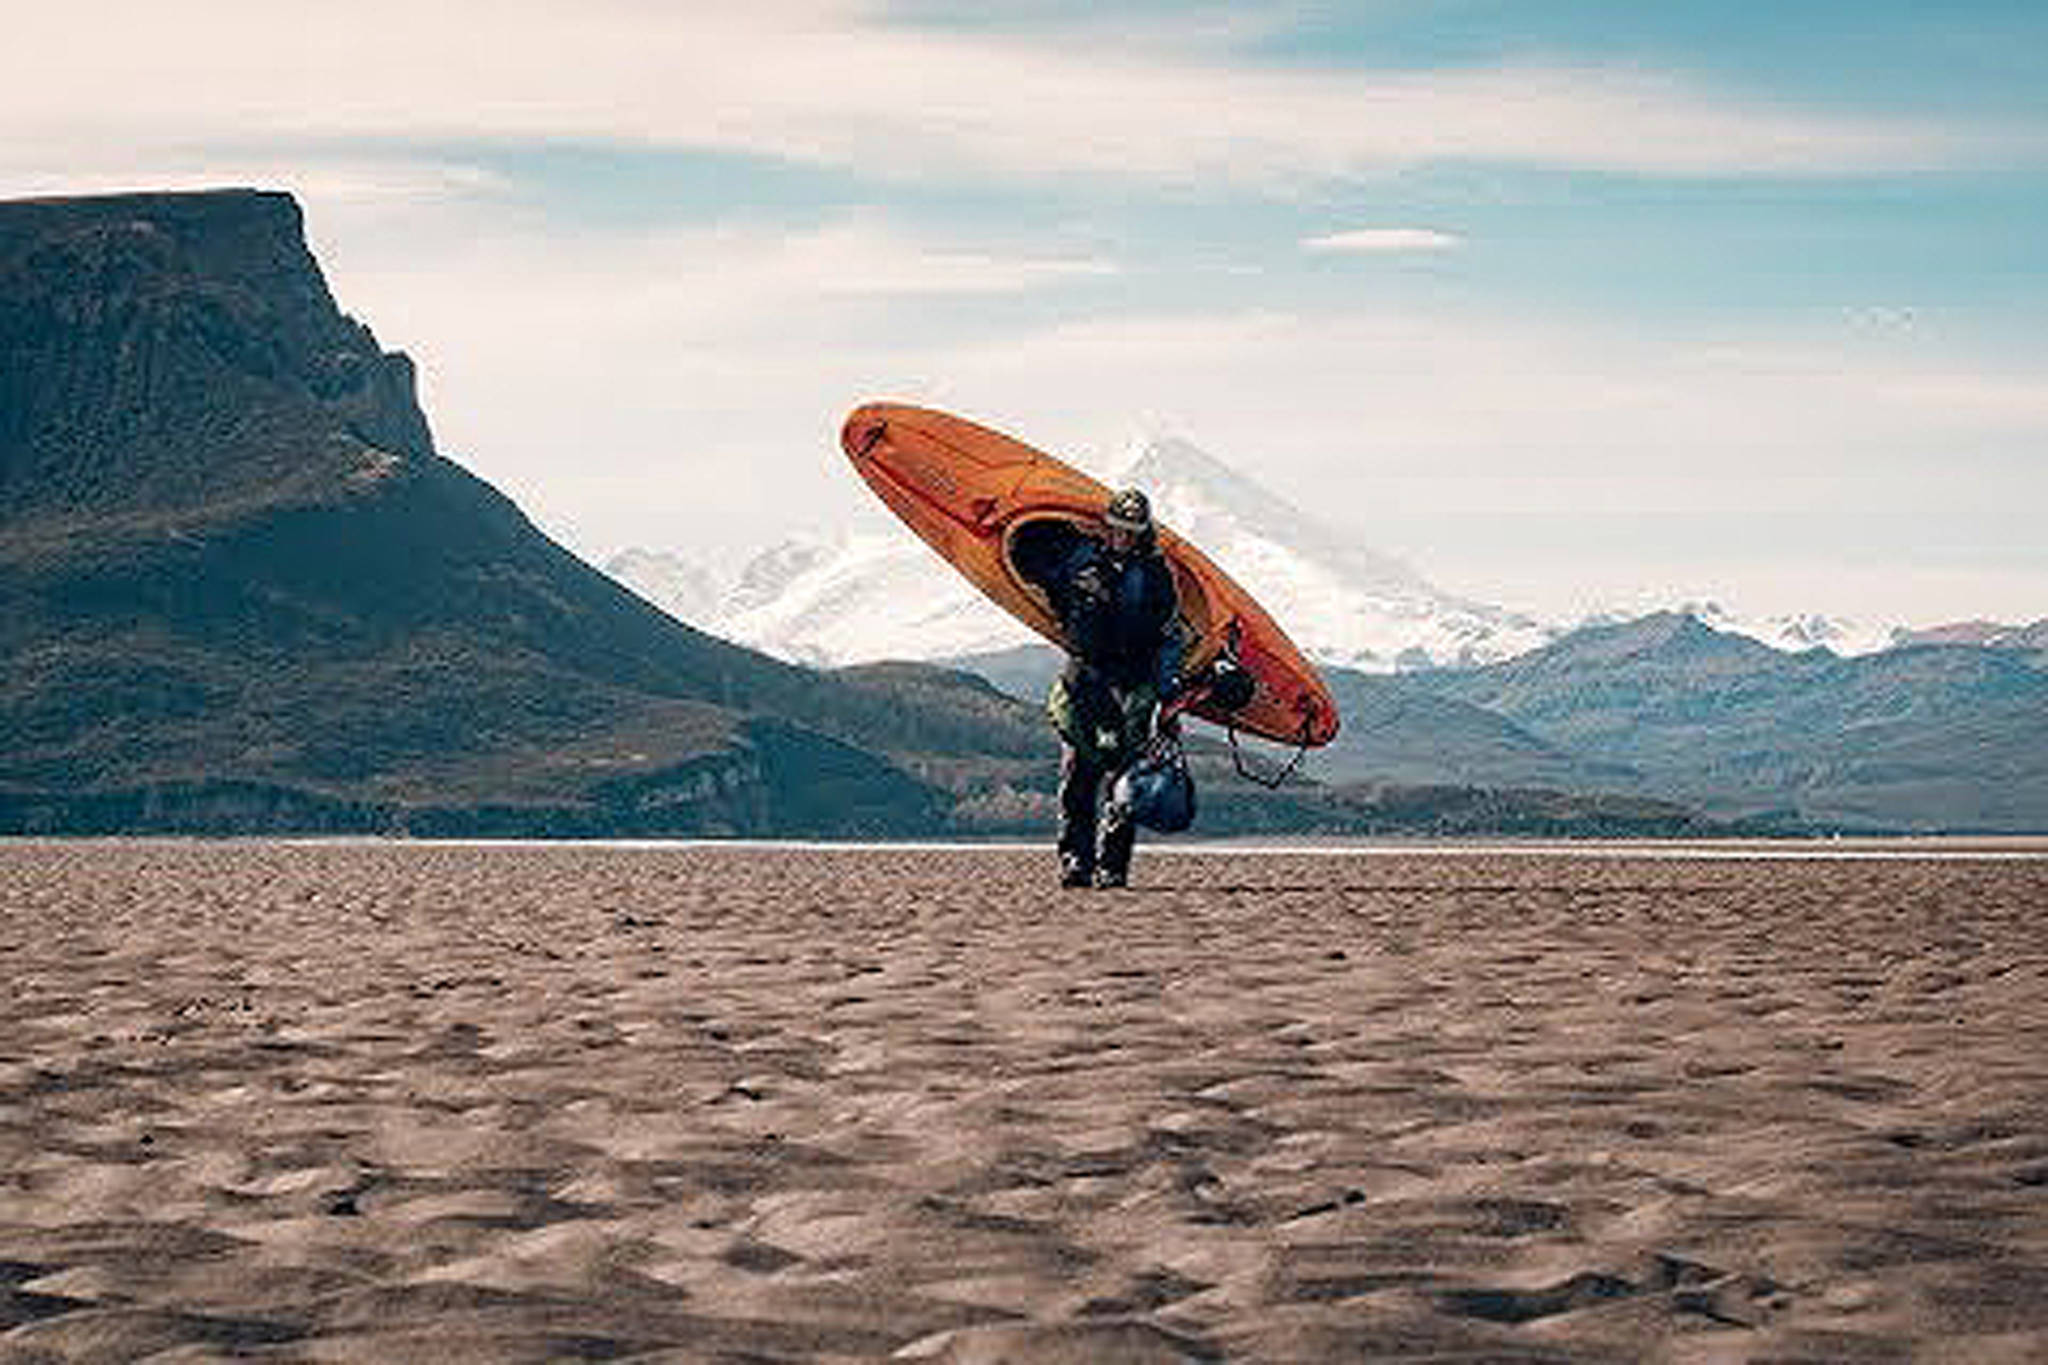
point(174, 359)
point(1934, 736)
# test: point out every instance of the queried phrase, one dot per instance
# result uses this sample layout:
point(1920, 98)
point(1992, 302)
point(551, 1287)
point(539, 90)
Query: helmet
point(1129, 511)
point(1157, 791)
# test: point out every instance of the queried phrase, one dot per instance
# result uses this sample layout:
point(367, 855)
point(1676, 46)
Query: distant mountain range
point(1930, 736)
point(2031, 639)
point(1394, 730)
point(1921, 737)
point(1818, 719)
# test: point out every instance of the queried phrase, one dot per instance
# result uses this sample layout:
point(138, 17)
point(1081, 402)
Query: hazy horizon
point(1564, 306)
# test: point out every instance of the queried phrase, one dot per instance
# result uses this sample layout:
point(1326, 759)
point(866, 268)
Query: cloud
point(842, 85)
point(1486, 394)
point(347, 184)
point(687, 385)
point(1370, 240)
point(1532, 461)
point(580, 370)
point(716, 286)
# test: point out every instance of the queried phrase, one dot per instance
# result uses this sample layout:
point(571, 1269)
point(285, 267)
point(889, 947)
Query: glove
point(1228, 685)
point(1090, 585)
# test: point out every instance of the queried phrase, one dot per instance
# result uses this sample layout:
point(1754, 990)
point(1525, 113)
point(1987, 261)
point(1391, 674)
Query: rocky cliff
point(175, 359)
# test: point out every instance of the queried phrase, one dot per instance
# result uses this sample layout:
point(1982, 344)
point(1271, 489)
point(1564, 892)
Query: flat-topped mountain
point(173, 361)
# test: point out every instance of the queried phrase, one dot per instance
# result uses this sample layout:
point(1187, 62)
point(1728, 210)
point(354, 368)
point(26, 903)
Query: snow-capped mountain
point(861, 598)
point(1985, 634)
point(1802, 631)
point(687, 591)
point(1341, 601)
point(826, 602)
point(1792, 633)
point(858, 598)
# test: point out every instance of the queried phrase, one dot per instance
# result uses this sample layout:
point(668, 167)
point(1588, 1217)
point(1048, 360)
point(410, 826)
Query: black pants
point(1102, 727)
point(1082, 780)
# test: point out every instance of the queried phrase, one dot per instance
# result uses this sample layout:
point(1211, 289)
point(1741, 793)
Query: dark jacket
point(1117, 611)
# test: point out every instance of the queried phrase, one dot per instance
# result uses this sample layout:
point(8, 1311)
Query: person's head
point(1128, 520)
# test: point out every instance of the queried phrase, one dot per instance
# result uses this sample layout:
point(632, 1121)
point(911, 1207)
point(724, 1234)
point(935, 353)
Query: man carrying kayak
point(1118, 612)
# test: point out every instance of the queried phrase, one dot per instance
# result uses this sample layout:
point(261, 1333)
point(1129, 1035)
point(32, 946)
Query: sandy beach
point(388, 1102)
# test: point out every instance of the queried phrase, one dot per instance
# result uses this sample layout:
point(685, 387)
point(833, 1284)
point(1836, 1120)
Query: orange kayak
point(966, 491)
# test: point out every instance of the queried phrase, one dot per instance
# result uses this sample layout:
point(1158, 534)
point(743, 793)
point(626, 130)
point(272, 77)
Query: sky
point(1570, 305)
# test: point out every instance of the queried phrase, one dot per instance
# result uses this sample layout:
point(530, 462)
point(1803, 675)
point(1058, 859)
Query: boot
point(1119, 838)
point(1079, 781)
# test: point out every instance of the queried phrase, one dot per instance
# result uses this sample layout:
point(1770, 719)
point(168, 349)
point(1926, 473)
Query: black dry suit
point(1119, 615)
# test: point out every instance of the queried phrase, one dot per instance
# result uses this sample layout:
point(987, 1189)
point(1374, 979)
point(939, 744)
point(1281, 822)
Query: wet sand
point(419, 1103)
